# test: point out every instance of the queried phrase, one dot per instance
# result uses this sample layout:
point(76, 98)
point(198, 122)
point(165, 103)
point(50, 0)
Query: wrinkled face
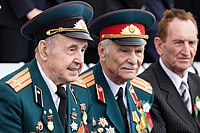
point(120, 62)
point(65, 58)
point(180, 47)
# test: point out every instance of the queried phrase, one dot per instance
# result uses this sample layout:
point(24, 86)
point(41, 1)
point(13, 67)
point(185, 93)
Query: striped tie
point(185, 95)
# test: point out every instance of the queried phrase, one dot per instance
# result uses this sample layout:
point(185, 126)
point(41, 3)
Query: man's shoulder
point(88, 77)
point(142, 85)
point(194, 77)
point(18, 80)
point(79, 83)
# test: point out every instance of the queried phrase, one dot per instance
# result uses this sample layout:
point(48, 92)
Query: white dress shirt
point(52, 87)
point(115, 88)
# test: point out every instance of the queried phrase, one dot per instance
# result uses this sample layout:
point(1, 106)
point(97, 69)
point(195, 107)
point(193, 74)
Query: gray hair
point(106, 43)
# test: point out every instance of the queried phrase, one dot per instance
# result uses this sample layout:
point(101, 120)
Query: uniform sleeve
point(21, 7)
point(10, 111)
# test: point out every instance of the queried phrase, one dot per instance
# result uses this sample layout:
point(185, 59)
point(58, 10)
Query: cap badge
point(79, 26)
point(131, 29)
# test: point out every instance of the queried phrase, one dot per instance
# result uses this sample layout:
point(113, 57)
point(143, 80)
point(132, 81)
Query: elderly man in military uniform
point(36, 98)
point(121, 100)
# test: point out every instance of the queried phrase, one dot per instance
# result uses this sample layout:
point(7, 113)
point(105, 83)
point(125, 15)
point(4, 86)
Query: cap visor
point(130, 41)
point(79, 35)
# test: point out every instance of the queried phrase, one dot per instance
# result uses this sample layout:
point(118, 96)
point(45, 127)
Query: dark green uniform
point(107, 115)
point(26, 104)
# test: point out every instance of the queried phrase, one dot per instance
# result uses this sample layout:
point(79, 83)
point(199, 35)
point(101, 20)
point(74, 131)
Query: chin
point(72, 79)
point(129, 77)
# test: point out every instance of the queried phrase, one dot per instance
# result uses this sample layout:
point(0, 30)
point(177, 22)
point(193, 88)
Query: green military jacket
point(26, 104)
point(107, 116)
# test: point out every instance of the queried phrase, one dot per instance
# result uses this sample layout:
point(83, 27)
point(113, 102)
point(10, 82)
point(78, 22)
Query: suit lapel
point(49, 115)
point(173, 97)
point(194, 93)
point(112, 109)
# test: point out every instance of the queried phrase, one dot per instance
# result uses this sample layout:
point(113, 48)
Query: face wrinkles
point(180, 47)
point(66, 59)
point(123, 62)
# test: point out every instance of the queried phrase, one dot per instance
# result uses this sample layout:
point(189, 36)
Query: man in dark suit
point(176, 103)
point(13, 14)
point(35, 98)
point(121, 101)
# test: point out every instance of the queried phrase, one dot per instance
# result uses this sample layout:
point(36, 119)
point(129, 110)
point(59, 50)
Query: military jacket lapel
point(133, 113)
point(49, 114)
point(139, 97)
point(112, 109)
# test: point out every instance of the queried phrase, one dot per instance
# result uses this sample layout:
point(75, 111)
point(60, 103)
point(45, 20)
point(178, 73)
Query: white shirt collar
point(114, 87)
point(174, 77)
point(52, 87)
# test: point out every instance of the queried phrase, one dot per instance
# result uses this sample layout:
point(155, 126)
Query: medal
point(84, 118)
point(138, 128)
point(197, 106)
point(102, 122)
point(74, 126)
point(83, 107)
point(110, 130)
point(39, 126)
point(50, 123)
point(94, 123)
point(73, 114)
point(100, 130)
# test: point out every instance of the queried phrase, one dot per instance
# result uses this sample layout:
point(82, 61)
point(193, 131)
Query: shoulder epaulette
point(20, 80)
point(88, 78)
point(142, 84)
point(79, 82)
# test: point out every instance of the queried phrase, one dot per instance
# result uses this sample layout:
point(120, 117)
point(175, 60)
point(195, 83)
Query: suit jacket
point(25, 101)
point(169, 113)
point(106, 112)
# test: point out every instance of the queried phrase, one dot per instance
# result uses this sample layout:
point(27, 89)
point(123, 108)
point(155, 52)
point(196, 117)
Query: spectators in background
point(13, 14)
point(157, 7)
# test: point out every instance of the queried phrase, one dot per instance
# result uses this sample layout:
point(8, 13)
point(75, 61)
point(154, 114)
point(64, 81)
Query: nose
point(186, 48)
point(132, 58)
point(79, 58)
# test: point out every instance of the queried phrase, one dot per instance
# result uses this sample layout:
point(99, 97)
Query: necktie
point(63, 104)
point(122, 108)
point(185, 95)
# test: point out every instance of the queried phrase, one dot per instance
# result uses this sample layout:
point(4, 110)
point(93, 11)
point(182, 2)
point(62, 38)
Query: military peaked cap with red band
point(125, 27)
point(68, 18)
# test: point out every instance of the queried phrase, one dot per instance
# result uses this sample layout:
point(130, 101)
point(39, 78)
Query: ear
point(101, 51)
point(158, 45)
point(42, 50)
